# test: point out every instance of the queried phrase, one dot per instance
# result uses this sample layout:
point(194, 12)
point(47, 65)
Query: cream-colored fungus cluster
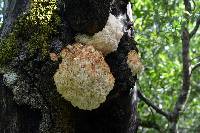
point(83, 77)
point(106, 40)
point(134, 62)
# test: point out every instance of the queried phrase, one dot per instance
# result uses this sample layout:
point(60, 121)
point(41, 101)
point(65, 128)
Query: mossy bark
point(31, 103)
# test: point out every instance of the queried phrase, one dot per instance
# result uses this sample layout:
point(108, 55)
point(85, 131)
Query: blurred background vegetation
point(158, 32)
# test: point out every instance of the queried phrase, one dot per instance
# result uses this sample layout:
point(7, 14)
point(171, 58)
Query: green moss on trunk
point(8, 48)
point(35, 29)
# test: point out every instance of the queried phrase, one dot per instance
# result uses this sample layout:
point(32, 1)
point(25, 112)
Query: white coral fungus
point(83, 77)
point(134, 62)
point(106, 40)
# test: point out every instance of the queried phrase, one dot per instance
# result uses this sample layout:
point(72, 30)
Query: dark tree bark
point(31, 104)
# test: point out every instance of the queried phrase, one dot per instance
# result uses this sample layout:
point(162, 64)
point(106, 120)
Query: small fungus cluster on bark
point(106, 40)
point(134, 62)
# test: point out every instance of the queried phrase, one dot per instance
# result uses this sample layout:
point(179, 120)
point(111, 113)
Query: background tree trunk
point(32, 104)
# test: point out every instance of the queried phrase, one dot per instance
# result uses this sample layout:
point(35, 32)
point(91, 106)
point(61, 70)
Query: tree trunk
point(30, 103)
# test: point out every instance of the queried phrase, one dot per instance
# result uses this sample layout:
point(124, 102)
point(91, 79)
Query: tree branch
point(149, 103)
point(184, 92)
point(193, 32)
point(194, 5)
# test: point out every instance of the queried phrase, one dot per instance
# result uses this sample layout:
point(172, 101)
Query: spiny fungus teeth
point(83, 77)
point(134, 62)
point(106, 40)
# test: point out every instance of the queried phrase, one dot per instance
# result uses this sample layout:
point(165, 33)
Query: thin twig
point(193, 32)
point(149, 103)
point(194, 5)
point(196, 57)
point(195, 67)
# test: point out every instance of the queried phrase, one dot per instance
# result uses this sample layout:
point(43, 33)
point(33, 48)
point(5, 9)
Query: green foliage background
point(158, 31)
